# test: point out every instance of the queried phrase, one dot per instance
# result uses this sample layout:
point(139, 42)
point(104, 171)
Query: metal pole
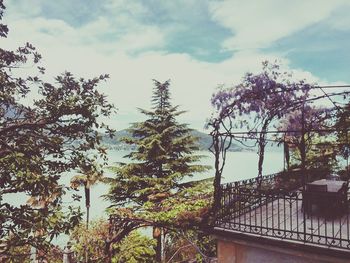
point(33, 253)
point(87, 204)
point(87, 229)
point(67, 254)
point(303, 157)
point(302, 146)
point(347, 154)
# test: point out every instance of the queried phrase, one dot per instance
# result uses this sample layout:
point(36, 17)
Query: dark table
point(332, 186)
point(332, 200)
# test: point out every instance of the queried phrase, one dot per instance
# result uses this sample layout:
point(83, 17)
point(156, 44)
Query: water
point(239, 166)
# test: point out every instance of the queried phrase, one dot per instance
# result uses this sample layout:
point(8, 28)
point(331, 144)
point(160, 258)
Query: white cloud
point(256, 24)
point(130, 85)
point(83, 51)
point(120, 32)
point(340, 19)
point(24, 9)
point(132, 8)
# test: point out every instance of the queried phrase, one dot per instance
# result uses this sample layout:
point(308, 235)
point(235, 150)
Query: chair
point(314, 195)
point(343, 198)
point(333, 177)
point(316, 187)
point(336, 203)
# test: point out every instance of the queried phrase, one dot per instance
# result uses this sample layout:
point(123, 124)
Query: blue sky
point(197, 44)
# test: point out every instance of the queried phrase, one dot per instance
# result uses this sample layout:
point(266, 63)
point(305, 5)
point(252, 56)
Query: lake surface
point(239, 166)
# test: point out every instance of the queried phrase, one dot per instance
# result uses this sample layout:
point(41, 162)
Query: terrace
point(299, 207)
point(268, 211)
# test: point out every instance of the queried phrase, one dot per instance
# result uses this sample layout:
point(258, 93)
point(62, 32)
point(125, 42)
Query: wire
point(335, 105)
point(333, 86)
point(290, 143)
point(231, 134)
point(249, 138)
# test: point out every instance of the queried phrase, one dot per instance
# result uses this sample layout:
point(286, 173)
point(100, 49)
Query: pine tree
point(163, 158)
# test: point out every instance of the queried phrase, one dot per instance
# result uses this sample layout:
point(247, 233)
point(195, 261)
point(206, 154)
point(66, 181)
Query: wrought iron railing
point(264, 208)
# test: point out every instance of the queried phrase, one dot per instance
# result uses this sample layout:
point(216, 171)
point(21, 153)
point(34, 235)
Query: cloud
point(120, 31)
point(131, 8)
point(23, 9)
point(257, 24)
point(340, 19)
point(133, 54)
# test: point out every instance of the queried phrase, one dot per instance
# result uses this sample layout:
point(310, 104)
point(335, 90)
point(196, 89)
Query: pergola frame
point(223, 132)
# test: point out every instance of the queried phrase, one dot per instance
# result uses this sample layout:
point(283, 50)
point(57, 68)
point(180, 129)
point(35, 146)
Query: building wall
point(233, 251)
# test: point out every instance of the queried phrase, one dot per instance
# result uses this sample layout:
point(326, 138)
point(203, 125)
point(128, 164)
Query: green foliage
point(186, 208)
point(23, 254)
point(321, 152)
point(133, 248)
point(88, 177)
point(319, 147)
point(344, 173)
point(163, 157)
point(184, 247)
point(204, 141)
point(342, 125)
point(90, 240)
point(39, 142)
point(151, 188)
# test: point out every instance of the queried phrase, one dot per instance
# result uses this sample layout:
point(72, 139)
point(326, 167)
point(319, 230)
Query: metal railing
point(265, 208)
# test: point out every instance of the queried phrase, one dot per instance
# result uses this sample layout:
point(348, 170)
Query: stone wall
point(238, 251)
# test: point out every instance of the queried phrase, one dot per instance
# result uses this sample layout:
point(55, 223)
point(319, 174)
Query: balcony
point(273, 208)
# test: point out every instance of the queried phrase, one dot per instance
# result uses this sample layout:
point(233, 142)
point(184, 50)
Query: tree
point(26, 254)
point(189, 246)
point(134, 248)
point(315, 143)
point(342, 125)
point(89, 240)
point(87, 178)
point(163, 158)
point(254, 105)
point(263, 98)
point(40, 141)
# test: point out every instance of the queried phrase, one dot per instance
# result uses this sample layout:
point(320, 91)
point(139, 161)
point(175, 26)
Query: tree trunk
point(261, 150)
point(302, 147)
point(217, 179)
point(157, 234)
point(286, 154)
point(261, 155)
point(87, 204)
point(87, 228)
point(87, 216)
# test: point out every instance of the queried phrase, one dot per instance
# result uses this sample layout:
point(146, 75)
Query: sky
point(197, 44)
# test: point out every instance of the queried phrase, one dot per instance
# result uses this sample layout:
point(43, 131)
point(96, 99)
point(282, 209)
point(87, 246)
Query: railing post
point(303, 160)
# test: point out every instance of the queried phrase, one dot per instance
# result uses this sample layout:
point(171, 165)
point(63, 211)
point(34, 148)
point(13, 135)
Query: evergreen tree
point(163, 158)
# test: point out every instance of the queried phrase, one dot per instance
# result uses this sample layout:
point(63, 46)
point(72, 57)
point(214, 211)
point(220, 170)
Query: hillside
point(204, 141)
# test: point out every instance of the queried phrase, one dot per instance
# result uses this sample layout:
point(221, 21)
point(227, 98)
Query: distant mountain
point(204, 141)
